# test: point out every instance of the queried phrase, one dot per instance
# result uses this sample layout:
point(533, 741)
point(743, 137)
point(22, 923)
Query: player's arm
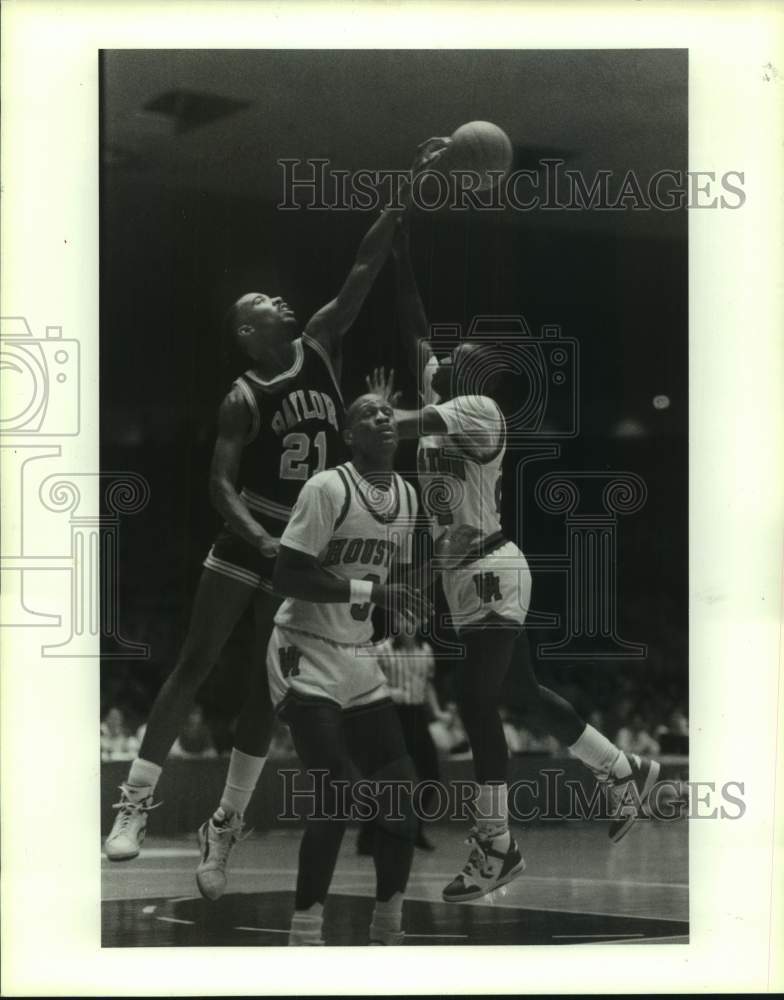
point(233, 427)
point(332, 321)
point(420, 423)
point(300, 575)
point(474, 419)
point(298, 572)
point(414, 330)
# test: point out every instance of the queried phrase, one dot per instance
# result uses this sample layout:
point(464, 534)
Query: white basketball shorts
point(496, 584)
point(305, 665)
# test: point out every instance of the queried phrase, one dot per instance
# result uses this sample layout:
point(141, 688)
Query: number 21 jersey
point(297, 421)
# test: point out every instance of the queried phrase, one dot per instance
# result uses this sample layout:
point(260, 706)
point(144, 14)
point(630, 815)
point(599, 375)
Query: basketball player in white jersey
point(460, 455)
point(351, 527)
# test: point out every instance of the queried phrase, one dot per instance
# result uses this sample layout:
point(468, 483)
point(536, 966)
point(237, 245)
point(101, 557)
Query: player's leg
point(219, 834)
point(495, 858)
point(317, 732)
point(217, 607)
point(376, 744)
point(628, 778)
point(422, 751)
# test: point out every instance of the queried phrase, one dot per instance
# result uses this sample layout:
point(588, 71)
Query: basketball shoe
point(216, 840)
point(382, 936)
point(130, 826)
point(487, 868)
point(627, 796)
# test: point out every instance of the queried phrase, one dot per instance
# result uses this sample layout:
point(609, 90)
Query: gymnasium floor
point(578, 888)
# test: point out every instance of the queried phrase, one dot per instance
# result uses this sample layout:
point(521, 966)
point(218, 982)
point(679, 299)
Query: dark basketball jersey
point(296, 431)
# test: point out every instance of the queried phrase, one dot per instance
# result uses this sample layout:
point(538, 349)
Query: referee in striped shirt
point(409, 666)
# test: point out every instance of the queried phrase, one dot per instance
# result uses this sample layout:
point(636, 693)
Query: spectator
point(282, 744)
point(674, 735)
point(195, 739)
point(635, 738)
point(116, 742)
point(513, 731)
point(447, 730)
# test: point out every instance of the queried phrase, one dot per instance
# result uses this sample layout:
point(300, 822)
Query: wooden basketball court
point(578, 888)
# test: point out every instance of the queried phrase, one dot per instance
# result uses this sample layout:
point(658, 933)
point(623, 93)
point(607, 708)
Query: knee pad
point(396, 814)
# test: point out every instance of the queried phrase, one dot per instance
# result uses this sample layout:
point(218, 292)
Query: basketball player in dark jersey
point(280, 423)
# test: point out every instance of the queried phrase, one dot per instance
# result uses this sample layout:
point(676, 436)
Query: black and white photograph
point(391, 497)
point(395, 344)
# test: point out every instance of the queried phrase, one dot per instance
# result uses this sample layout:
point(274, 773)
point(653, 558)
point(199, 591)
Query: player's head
point(371, 429)
point(256, 320)
point(468, 370)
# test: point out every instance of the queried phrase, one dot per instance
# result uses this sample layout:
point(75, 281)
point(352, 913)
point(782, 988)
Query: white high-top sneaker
point(130, 826)
point(216, 841)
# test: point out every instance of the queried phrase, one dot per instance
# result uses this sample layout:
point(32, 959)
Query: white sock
point(603, 757)
point(243, 776)
point(387, 919)
point(306, 926)
point(143, 776)
point(490, 807)
point(389, 914)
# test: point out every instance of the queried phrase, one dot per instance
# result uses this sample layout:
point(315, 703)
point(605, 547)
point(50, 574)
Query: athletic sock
point(387, 921)
point(492, 816)
point(243, 776)
point(600, 755)
point(142, 778)
point(306, 926)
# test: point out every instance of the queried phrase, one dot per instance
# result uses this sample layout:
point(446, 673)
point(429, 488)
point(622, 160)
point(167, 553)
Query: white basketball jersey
point(460, 472)
point(356, 530)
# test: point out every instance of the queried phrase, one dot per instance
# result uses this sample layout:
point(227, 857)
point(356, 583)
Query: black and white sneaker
point(627, 797)
point(486, 869)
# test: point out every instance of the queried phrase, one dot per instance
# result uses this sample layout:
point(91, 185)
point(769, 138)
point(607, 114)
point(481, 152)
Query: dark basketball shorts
point(233, 557)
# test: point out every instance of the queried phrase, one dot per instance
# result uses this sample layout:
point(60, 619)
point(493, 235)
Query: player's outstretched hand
point(403, 600)
point(379, 384)
point(429, 152)
point(400, 241)
point(269, 546)
point(454, 545)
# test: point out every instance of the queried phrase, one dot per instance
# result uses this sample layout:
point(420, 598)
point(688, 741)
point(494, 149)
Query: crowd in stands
point(636, 725)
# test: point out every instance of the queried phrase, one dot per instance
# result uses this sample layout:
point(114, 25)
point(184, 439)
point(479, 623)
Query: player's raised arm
point(332, 321)
point(329, 324)
point(414, 330)
point(233, 426)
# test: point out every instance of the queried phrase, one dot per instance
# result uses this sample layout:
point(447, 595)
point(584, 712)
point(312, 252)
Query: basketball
point(479, 147)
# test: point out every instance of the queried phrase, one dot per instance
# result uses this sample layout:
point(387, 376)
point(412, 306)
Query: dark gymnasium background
point(189, 187)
